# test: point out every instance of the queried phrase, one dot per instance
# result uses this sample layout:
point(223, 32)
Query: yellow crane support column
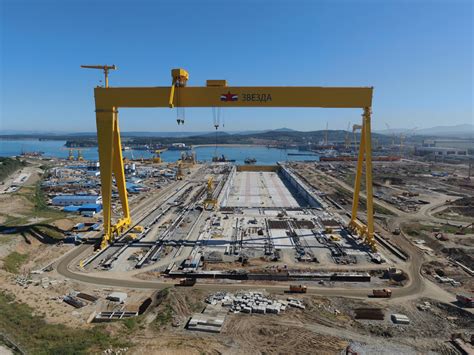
point(358, 178)
point(365, 148)
point(119, 174)
point(110, 158)
point(368, 180)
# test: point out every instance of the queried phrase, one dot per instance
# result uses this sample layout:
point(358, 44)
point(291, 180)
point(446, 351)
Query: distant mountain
point(462, 130)
point(175, 134)
point(284, 129)
point(456, 131)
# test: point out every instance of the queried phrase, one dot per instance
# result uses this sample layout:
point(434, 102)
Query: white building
point(76, 200)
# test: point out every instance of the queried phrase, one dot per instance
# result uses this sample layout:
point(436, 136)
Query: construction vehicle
point(187, 282)
point(138, 229)
point(298, 289)
point(382, 293)
point(216, 93)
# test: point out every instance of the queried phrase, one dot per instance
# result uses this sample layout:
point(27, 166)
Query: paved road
point(415, 285)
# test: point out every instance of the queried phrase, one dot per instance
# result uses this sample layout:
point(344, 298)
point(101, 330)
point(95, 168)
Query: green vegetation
point(35, 336)
point(165, 311)
point(48, 231)
point(417, 229)
point(41, 208)
point(39, 198)
point(275, 136)
point(9, 166)
point(13, 261)
point(165, 316)
point(132, 323)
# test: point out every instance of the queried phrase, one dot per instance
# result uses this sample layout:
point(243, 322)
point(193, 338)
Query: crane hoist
point(217, 93)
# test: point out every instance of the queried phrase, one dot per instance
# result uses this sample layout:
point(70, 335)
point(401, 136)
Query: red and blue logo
point(229, 97)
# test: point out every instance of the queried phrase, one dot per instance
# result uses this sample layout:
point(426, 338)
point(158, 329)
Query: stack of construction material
point(369, 313)
point(294, 302)
point(252, 302)
point(400, 319)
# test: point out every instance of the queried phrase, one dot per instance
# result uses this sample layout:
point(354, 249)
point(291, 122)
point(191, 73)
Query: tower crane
point(326, 134)
point(391, 135)
point(105, 68)
point(403, 136)
point(347, 139)
point(355, 128)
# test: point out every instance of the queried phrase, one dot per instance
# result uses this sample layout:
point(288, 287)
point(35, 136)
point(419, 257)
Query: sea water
point(57, 149)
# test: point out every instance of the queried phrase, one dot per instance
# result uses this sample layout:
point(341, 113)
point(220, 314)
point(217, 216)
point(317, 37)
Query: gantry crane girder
point(109, 99)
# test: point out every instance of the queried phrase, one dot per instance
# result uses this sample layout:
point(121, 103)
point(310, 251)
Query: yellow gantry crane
point(179, 170)
point(210, 202)
point(216, 93)
point(157, 156)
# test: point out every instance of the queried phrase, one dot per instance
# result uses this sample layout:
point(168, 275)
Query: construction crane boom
point(105, 68)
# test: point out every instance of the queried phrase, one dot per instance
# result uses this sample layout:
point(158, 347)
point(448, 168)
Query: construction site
point(359, 255)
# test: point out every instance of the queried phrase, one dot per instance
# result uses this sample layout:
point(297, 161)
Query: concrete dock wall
point(305, 191)
point(224, 195)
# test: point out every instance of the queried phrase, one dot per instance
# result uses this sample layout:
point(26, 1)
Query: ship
point(250, 160)
point(222, 159)
point(32, 154)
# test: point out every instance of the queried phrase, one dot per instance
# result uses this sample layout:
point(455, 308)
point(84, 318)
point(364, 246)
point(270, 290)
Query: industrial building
point(442, 151)
point(76, 200)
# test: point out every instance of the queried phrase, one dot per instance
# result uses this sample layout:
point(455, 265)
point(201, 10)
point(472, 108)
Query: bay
point(56, 149)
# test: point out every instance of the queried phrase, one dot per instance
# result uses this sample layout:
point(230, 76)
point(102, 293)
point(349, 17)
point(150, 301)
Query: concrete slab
point(260, 189)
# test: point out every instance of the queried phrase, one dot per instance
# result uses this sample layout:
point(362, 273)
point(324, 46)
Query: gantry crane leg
point(119, 174)
point(110, 159)
point(365, 151)
point(358, 178)
point(368, 180)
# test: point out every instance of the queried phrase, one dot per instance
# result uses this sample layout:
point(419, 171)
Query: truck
point(384, 293)
point(298, 289)
point(465, 301)
point(396, 231)
point(188, 281)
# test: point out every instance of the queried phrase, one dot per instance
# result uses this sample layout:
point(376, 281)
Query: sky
point(418, 56)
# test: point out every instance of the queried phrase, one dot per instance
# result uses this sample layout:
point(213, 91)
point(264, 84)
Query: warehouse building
point(76, 200)
point(87, 210)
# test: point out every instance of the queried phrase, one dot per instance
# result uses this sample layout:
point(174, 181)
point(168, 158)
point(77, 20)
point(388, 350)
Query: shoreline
point(231, 145)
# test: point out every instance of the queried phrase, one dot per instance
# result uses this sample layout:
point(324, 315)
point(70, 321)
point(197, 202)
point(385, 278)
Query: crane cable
point(216, 113)
point(180, 112)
